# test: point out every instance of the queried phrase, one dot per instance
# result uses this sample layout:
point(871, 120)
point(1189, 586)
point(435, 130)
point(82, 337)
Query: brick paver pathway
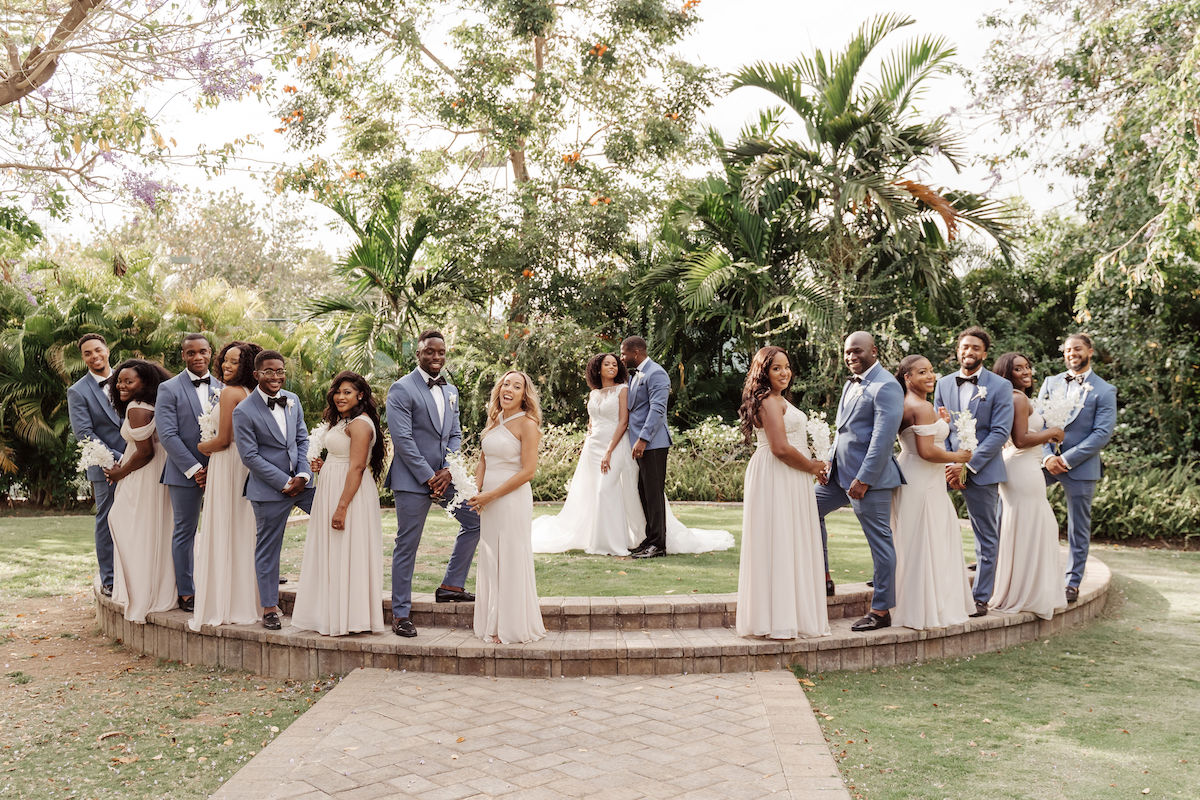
point(388, 734)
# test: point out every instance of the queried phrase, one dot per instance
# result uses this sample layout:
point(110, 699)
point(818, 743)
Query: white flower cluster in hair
point(94, 453)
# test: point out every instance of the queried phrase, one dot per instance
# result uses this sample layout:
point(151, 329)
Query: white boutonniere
point(454, 402)
point(981, 393)
point(291, 403)
point(1086, 387)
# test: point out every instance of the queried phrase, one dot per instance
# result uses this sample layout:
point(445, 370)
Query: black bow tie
point(438, 381)
point(207, 379)
point(1077, 378)
point(961, 380)
point(855, 379)
point(276, 402)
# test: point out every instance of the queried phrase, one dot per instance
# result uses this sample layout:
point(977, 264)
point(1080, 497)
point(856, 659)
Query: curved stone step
point(453, 648)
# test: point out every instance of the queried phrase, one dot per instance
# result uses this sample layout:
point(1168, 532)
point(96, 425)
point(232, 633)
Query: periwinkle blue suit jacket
point(271, 456)
point(419, 443)
point(176, 414)
point(993, 415)
point(1089, 430)
point(866, 432)
point(93, 417)
point(648, 393)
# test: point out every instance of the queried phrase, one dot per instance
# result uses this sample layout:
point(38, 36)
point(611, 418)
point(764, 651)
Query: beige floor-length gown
point(932, 589)
point(341, 577)
point(141, 523)
point(506, 601)
point(1028, 573)
point(781, 577)
point(226, 586)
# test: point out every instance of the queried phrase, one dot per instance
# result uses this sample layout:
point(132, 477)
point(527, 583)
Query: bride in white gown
point(602, 514)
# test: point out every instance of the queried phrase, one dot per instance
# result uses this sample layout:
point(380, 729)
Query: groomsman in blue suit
point(1088, 430)
point(268, 427)
point(422, 416)
point(181, 401)
point(989, 399)
point(863, 471)
point(649, 388)
point(92, 415)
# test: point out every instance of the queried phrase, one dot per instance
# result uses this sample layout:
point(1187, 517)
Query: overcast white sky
point(732, 33)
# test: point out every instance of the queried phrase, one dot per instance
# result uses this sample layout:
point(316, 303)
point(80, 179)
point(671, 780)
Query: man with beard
point(988, 398)
point(1088, 429)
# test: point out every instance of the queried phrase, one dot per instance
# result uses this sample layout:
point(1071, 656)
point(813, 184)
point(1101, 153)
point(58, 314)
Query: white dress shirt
point(279, 414)
point(966, 391)
point(202, 390)
point(102, 380)
point(439, 397)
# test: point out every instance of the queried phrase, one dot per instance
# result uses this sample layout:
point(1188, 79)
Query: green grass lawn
point(50, 555)
point(1100, 713)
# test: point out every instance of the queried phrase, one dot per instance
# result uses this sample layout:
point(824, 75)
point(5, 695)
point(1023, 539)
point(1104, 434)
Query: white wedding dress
point(602, 514)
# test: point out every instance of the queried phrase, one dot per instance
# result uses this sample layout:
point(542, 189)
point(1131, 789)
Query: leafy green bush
point(1156, 504)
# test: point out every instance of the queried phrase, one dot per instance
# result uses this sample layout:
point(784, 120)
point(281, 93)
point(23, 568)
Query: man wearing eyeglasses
point(268, 427)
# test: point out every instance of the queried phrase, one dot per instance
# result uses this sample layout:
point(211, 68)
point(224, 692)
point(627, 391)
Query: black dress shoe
point(871, 584)
point(282, 579)
point(972, 567)
point(106, 590)
point(653, 551)
point(187, 603)
point(641, 548)
point(1072, 594)
point(271, 621)
point(872, 622)
point(451, 596)
point(830, 589)
point(980, 610)
point(404, 627)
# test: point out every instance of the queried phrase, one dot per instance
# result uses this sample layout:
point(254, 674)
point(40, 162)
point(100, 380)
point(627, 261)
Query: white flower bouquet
point(94, 453)
point(820, 436)
point(964, 424)
point(316, 440)
point(463, 480)
point(211, 418)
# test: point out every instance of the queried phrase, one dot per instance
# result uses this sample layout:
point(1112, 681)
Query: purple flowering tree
point(83, 80)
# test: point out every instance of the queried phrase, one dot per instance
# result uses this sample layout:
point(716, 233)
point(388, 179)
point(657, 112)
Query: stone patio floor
point(391, 734)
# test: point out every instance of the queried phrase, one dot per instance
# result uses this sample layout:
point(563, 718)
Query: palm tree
point(388, 290)
point(849, 196)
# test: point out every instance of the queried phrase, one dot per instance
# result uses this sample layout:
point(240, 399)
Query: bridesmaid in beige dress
point(141, 520)
point(781, 575)
point(932, 589)
point(226, 588)
point(341, 578)
point(506, 601)
point(1028, 573)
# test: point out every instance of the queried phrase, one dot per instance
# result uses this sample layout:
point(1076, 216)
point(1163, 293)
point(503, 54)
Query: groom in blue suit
point(989, 399)
point(863, 471)
point(649, 388)
point(1088, 430)
point(422, 416)
point(181, 401)
point(268, 427)
point(92, 415)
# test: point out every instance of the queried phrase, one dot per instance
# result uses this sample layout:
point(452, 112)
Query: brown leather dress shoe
point(981, 610)
point(1072, 594)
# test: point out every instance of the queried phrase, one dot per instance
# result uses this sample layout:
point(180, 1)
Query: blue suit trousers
point(874, 513)
point(1079, 522)
point(185, 505)
point(983, 508)
point(270, 521)
point(411, 510)
point(103, 492)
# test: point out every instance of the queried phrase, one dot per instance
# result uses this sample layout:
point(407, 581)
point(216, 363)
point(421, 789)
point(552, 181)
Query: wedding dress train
point(602, 514)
